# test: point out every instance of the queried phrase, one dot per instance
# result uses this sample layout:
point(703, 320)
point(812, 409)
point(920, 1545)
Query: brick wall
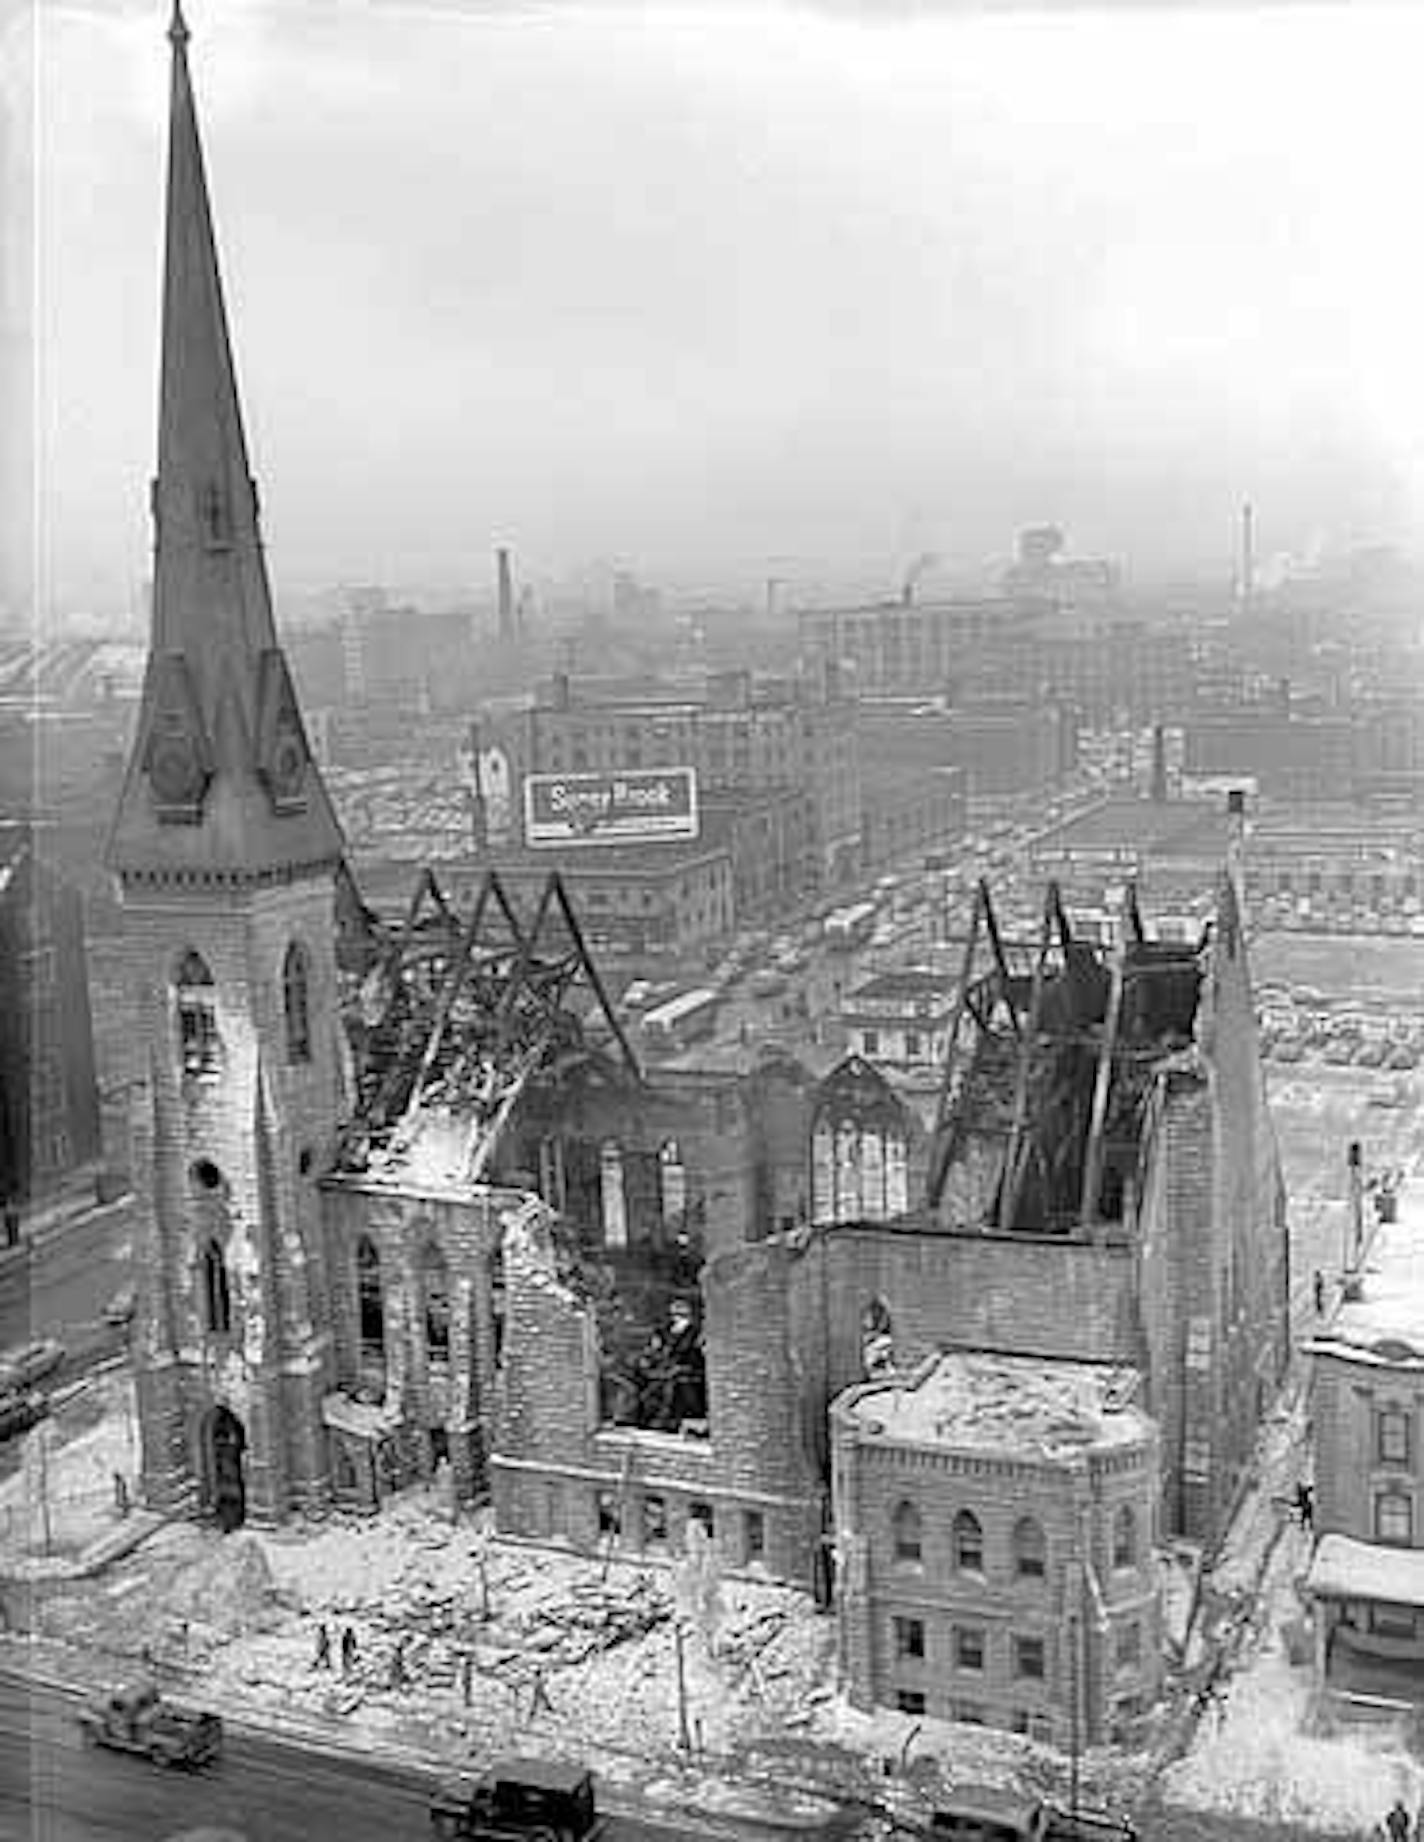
point(266, 1124)
point(876, 1474)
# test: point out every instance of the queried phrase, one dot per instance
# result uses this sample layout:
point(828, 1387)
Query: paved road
point(55, 1789)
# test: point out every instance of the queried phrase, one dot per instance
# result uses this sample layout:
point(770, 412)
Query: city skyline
point(721, 289)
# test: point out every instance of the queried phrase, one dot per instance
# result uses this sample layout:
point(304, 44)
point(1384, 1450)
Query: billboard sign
point(626, 806)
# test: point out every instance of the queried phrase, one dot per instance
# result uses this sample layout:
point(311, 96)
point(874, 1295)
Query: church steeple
point(221, 783)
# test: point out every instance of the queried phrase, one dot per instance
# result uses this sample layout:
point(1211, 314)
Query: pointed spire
point(221, 780)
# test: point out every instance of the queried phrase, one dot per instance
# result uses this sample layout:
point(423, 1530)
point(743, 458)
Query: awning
point(1343, 1568)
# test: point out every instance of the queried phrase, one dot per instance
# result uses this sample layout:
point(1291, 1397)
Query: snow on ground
point(63, 1496)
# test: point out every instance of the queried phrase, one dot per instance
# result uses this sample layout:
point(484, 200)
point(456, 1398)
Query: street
point(53, 1788)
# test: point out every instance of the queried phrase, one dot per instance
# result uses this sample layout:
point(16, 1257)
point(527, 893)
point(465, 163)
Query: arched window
point(435, 1284)
point(1030, 1549)
point(1124, 1542)
point(672, 1183)
point(968, 1543)
point(217, 1301)
point(370, 1308)
point(905, 1527)
point(197, 1015)
point(296, 980)
point(612, 1194)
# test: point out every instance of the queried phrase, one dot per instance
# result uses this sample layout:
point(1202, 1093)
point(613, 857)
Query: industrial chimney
point(1248, 556)
point(506, 595)
point(1158, 789)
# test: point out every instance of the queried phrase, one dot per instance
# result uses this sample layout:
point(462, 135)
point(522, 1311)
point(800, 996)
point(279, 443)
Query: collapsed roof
point(1052, 1054)
point(453, 1016)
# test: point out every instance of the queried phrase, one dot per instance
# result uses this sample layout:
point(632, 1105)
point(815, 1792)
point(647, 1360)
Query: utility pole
point(684, 1734)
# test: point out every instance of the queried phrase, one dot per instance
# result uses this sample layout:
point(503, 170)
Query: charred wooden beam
point(1011, 1180)
point(942, 1143)
point(1107, 1050)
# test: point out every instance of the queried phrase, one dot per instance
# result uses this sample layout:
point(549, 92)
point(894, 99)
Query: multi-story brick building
point(995, 1536)
point(899, 1019)
point(1366, 1577)
point(741, 737)
point(49, 1096)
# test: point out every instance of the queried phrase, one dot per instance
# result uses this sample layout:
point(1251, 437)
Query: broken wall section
point(561, 1472)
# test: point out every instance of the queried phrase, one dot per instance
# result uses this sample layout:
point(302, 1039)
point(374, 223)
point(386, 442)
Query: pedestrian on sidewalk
point(322, 1659)
point(348, 1650)
point(539, 1699)
point(467, 1676)
point(400, 1679)
point(1319, 1283)
point(1305, 1504)
point(121, 1493)
point(1396, 1824)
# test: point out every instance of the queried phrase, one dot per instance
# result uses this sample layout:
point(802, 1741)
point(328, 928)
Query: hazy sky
point(717, 288)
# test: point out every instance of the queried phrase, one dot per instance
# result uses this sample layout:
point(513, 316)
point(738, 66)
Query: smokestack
point(1248, 555)
point(506, 595)
point(1159, 763)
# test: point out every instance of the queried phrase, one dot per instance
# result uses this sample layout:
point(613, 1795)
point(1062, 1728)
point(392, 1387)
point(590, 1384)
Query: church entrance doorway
point(224, 1444)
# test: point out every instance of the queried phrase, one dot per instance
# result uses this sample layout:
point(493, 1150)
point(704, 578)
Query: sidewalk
point(751, 1811)
point(77, 1203)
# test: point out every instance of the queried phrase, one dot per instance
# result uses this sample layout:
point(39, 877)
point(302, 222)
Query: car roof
point(545, 1774)
point(987, 1801)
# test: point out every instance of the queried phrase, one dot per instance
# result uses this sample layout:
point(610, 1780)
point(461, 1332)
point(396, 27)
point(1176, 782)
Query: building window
point(905, 1528)
point(655, 1524)
point(910, 1639)
point(217, 1301)
point(1394, 1518)
point(435, 1286)
point(1028, 1657)
point(672, 1184)
point(610, 1521)
point(198, 1043)
point(701, 1515)
point(370, 1307)
point(1392, 1439)
point(1030, 1549)
point(753, 1535)
point(967, 1713)
point(912, 1046)
point(1128, 1647)
point(968, 1543)
point(910, 1701)
point(612, 1194)
point(1124, 1541)
point(968, 1647)
point(296, 981)
point(870, 1042)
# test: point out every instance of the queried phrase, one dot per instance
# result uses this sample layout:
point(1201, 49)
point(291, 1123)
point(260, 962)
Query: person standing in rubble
point(322, 1658)
point(1396, 1823)
point(348, 1651)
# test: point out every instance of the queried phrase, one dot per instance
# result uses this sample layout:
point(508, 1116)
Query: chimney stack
point(1248, 555)
point(506, 595)
point(1159, 763)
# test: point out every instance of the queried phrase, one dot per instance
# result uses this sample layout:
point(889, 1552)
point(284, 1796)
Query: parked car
point(29, 1364)
point(20, 1411)
point(120, 1308)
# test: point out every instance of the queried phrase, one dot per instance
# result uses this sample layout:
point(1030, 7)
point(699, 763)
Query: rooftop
point(1004, 1404)
point(1385, 1324)
point(1165, 828)
point(1343, 1568)
point(912, 982)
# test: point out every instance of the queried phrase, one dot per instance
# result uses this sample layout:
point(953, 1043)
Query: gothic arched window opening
point(296, 1002)
point(217, 1299)
point(198, 1044)
point(1124, 1547)
point(1030, 1549)
point(435, 1286)
point(905, 1528)
point(968, 1543)
point(370, 1305)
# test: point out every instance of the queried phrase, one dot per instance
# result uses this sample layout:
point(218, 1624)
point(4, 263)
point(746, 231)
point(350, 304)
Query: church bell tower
point(226, 850)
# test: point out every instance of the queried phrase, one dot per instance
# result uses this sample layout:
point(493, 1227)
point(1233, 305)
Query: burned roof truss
point(1049, 1060)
